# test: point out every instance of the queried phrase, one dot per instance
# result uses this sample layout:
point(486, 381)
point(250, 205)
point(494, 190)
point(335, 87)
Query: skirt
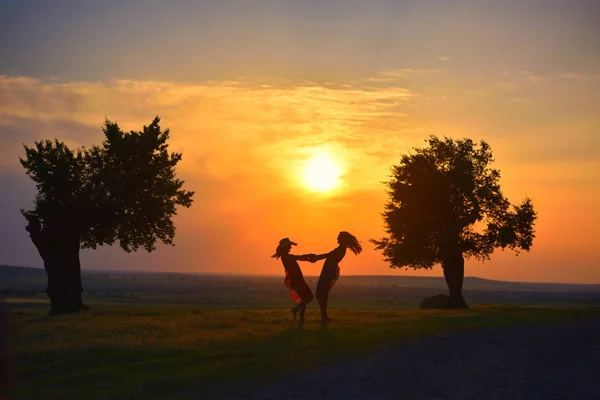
point(298, 288)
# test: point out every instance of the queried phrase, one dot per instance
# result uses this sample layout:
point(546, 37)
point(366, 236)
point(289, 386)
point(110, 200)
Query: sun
point(322, 173)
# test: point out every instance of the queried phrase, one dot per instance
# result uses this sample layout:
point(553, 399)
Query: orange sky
point(246, 139)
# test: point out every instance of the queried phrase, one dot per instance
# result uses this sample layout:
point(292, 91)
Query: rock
point(434, 302)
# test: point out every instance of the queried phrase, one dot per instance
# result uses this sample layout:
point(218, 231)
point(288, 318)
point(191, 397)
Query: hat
point(287, 241)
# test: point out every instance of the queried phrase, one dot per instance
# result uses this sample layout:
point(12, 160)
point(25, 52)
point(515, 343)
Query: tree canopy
point(124, 191)
point(446, 199)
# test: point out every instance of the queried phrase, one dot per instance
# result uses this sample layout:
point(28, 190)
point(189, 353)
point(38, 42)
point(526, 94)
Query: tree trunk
point(454, 273)
point(60, 252)
point(64, 282)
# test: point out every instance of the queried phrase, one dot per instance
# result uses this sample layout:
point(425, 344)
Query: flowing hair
point(279, 251)
point(349, 240)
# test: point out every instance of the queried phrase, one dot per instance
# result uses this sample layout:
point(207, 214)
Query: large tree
point(445, 204)
point(123, 191)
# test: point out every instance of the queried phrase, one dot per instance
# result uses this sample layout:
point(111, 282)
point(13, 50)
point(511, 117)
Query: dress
point(331, 270)
point(294, 280)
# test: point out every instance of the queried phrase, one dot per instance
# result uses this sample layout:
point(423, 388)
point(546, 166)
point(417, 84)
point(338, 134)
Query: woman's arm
point(317, 257)
point(337, 254)
point(303, 257)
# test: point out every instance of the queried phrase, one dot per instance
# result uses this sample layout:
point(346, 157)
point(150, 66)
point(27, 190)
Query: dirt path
point(523, 362)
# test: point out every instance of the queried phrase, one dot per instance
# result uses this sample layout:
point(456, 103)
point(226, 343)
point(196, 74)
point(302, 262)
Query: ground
point(558, 361)
point(135, 351)
point(184, 336)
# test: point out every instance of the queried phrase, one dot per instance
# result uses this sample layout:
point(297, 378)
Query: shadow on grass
point(122, 370)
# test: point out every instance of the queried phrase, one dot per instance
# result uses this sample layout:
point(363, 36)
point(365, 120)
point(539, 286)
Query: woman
point(300, 293)
point(331, 269)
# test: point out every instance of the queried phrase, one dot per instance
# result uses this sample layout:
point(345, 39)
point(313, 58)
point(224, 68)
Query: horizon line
point(310, 276)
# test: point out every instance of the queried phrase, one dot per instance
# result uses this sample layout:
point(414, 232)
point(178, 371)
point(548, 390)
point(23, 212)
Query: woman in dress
point(300, 293)
point(331, 269)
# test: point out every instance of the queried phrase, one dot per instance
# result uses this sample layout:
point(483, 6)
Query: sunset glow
point(289, 116)
point(322, 173)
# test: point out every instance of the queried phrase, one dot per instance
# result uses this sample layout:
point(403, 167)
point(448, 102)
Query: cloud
point(404, 73)
point(216, 123)
point(16, 131)
point(545, 77)
point(244, 144)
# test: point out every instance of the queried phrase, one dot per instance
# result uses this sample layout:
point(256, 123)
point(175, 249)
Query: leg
point(322, 296)
point(301, 306)
point(324, 286)
point(301, 320)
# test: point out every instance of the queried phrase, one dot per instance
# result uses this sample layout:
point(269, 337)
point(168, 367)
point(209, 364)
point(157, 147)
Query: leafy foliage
point(446, 199)
point(125, 190)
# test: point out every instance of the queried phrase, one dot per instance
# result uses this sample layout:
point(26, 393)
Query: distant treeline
point(376, 290)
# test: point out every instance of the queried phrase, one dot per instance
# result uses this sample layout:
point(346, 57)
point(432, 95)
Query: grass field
point(122, 351)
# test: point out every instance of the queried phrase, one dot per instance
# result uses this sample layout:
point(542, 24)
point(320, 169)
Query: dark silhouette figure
point(436, 196)
point(124, 191)
point(300, 293)
point(331, 269)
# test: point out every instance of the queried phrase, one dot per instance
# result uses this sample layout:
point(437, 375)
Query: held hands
point(312, 258)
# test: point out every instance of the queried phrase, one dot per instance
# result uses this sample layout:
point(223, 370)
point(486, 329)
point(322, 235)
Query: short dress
point(294, 280)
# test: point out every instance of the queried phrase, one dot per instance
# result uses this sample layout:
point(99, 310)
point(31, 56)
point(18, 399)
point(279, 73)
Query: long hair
point(284, 247)
point(350, 241)
point(280, 251)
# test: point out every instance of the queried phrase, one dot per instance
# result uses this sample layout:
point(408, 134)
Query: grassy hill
point(222, 291)
point(124, 351)
point(169, 335)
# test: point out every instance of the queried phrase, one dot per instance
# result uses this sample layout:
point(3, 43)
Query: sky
point(253, 90)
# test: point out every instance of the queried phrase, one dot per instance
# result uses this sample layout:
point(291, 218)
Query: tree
point(124, 191)
point(445, 204)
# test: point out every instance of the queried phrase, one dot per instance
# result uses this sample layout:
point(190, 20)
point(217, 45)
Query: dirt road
point(522, 362)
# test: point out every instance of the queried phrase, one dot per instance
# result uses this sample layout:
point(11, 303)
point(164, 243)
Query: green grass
point(150, 352)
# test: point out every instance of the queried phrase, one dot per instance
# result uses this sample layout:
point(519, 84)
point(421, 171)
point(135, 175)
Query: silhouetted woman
point(300, 293)
point(331, 269)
